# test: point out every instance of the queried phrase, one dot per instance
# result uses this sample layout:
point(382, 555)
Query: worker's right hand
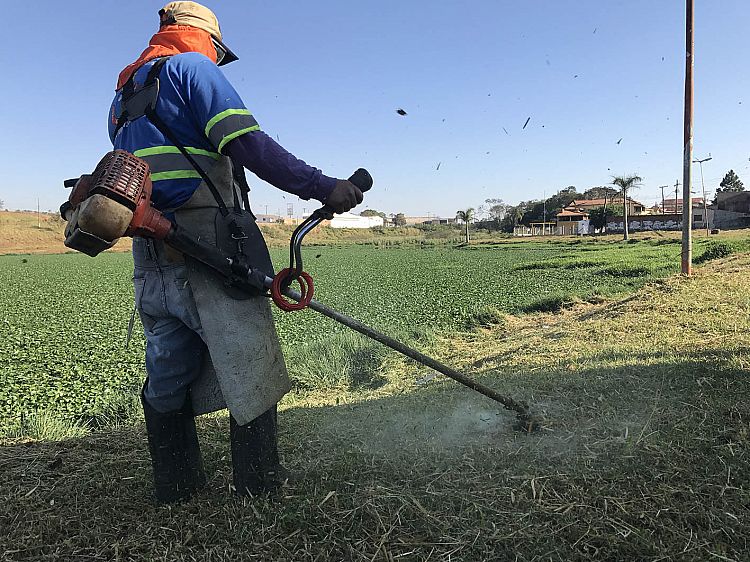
point(345, 196)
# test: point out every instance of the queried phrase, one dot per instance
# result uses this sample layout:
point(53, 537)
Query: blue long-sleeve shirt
point(268, 160)
point(210, 119)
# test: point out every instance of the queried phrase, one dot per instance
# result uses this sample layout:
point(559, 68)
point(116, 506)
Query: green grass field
point(64, 317)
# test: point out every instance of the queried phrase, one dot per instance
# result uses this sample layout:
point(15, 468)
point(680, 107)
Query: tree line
point(498, 215)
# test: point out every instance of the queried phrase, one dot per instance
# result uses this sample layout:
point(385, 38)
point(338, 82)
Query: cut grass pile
point(645, 454)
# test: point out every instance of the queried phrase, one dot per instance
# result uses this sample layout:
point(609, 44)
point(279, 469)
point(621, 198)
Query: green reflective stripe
point(226, 113)
point(174, 150)
point(229, 125)
point(175, 175)
point(169, 162)
point(236, 134)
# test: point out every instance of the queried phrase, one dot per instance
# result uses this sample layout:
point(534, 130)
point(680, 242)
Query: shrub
point(625, 271)
point(715, 251)
point(551, 303)
point(485, 318)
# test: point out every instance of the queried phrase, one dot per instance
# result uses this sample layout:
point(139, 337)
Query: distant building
point(548, 228)
point(350, 220)
point(268, 219)
point(734, 201)
point(674, 206)
point(412, 221)
point(438, 220)
point(634, 207)
point(572, 221)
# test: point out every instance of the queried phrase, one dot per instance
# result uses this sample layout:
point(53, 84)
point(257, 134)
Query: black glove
point(344, 196)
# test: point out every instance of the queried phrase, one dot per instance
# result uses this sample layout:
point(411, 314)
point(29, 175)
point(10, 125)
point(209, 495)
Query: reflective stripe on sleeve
point(228, 125)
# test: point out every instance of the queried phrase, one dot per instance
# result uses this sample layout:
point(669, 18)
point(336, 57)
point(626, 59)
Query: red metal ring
point(307, 288)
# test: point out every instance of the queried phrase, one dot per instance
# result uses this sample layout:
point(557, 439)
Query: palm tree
point(466, 216)
point(625, 183)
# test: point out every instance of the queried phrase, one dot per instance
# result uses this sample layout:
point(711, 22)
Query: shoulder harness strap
point(136, 104)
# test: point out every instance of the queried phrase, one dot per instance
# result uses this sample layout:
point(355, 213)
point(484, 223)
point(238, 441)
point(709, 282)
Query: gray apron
point(244, 370)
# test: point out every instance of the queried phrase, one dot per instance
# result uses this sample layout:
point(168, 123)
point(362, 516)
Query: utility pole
point(663, 206)
point(703, 187)
point(544, 212)
point(676, 206)
point(38, 218)
point(687, 155)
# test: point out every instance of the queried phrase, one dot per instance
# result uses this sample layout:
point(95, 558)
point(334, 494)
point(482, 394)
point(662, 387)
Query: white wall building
point(350, 220)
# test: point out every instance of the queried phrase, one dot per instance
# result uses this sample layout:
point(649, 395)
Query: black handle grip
point(362, 179)
point(74, 181)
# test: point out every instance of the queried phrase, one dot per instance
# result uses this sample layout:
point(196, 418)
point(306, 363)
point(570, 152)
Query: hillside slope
point(24, 232)
point(644, 455)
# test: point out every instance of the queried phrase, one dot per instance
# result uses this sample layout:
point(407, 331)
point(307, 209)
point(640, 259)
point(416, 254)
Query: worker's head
point(198, 16)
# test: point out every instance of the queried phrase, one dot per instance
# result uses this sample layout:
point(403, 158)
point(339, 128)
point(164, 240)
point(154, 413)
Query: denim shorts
point(174, 338)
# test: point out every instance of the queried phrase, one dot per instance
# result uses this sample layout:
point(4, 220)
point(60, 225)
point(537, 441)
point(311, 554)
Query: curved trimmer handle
point(361, 178)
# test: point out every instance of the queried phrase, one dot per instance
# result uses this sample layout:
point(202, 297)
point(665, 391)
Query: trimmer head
point(529, 422)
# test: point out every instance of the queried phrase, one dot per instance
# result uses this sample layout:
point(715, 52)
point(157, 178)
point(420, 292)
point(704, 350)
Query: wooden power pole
point(687, 155)
point(663, 207)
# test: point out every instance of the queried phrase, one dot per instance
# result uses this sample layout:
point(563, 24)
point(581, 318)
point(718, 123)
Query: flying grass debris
point(527, 122)
point(401, 112)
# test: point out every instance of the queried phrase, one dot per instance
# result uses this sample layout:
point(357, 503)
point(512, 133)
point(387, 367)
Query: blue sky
point(327, 77)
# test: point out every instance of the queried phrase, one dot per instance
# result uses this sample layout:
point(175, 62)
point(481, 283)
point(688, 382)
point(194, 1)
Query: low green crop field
point(63, 318)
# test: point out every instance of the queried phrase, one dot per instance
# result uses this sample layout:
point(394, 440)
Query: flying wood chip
point(400, 111)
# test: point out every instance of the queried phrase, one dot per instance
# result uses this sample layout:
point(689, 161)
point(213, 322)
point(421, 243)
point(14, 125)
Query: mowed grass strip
point(644, 453)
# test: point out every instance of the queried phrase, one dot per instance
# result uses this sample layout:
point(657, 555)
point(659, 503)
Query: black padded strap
point(238, 172)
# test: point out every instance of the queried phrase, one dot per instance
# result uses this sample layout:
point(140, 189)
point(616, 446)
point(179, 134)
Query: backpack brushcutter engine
point(115, 201)
point(112, 202)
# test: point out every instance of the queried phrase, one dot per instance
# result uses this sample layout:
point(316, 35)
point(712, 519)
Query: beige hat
point(192, 14)
point(195, 15)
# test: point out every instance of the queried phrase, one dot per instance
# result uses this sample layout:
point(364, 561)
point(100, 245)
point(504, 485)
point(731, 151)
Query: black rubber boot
point(175, 453)
point(255, 455)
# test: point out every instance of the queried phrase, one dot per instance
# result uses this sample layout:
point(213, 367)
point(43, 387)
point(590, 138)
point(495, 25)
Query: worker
point(206, 346)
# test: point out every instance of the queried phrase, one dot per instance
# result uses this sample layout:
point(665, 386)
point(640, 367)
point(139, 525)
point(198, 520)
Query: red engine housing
point(126, 179)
